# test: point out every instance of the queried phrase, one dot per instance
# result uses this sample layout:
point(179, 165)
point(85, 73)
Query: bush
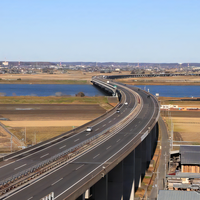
point(80, 94)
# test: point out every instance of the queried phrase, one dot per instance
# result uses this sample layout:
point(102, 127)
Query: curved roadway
point(67, 180)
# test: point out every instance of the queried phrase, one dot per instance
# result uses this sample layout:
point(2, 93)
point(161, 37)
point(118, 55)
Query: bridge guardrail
point(125, 121)
point(67, 151)
point(69, 133)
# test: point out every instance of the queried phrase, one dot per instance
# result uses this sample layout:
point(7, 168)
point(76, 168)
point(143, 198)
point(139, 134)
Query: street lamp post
point(11, 144)
point(156, 185)
point(25, 135)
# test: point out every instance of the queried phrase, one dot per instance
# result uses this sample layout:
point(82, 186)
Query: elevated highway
point(151, 75)
point(117, 135)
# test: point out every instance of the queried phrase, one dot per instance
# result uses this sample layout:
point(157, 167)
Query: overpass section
point(111, 168)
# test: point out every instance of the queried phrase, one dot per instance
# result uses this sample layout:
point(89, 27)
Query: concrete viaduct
point(107, 163)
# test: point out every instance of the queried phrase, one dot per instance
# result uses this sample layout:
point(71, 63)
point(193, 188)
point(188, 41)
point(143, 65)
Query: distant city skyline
point(100, 31)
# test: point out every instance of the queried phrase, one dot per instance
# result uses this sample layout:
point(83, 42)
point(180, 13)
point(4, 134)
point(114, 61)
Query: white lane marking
point(44, 155)
point(49, 145)
point(8, 164)
point(79, 167)
point(135, 125)
point(77, 181)
point(20, 166)
point(97, 129)
point(108, 147)
point(96, 156)
point(30, 198)
point(76, 140)
point(98, 166)
point(104, 125)
point(118, 140)
point(87, 134)
point(114, 118)
point(131, 129)
point(62, 147)
point(57, 181)
point(109, 122)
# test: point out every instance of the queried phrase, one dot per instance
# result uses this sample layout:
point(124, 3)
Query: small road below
point(163, 163)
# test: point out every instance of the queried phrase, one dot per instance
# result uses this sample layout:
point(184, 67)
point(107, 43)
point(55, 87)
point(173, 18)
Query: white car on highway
point(89, 129)
point(126, 103)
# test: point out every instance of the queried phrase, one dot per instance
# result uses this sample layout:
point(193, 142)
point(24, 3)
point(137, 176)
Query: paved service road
point(66, 180)
point(163, 163)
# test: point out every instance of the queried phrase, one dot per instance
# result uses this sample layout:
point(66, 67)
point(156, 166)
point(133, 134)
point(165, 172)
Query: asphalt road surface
point(64, 181)
point(21, 162)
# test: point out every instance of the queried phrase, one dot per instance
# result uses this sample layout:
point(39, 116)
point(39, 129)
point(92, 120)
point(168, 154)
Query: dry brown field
point(40, 122)
point(72, 77)
point(171, 80)
point(187, 129)
point(80, 77)
point(186, 124)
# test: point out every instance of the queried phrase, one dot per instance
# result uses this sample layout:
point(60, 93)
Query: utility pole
point(35, 138)
point(157, 183)
point(25, 136)
point(11, 144)
point(165, 169)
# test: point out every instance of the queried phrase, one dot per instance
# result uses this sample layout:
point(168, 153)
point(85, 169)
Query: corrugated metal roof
point(186, 148)
point(190, 154)
point(184, 175)
point(190, 157)
point(178, 195)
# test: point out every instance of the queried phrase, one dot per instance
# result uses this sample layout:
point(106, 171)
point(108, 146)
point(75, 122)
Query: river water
point(48, 90)
point(90, 90)
point(172, 90)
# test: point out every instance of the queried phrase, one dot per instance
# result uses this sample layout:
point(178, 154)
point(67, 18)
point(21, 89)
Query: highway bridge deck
point(79, 173)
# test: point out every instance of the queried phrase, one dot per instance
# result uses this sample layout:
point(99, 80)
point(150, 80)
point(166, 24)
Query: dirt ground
point(183, 114)
point(38, 134)
point(50, 112)
point(40, 122)
point(187, 129)
point(45, 123)
point(186, 126)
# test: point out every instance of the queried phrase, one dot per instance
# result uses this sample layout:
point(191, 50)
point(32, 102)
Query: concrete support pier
point(129, 176)
point(115, 183)
point(138, 166)
point(99, 191)
point(125, 178)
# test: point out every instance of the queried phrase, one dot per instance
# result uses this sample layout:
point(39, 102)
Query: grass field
point(177, 80)
point(80, 77)
point(53, 100)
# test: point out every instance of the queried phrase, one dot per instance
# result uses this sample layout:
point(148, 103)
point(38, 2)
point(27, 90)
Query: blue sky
point(100, 30)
